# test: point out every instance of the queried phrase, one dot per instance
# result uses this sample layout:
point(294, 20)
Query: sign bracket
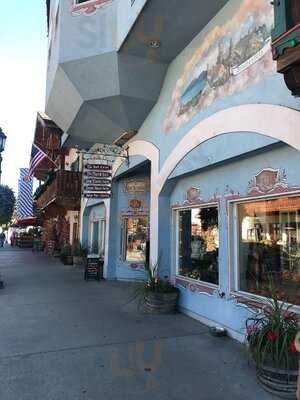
point(107, 153)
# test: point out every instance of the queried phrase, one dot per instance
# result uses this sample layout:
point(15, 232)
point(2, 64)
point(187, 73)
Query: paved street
point(64, 339)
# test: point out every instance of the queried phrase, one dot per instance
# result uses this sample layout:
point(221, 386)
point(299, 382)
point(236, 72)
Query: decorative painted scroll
point(195, 287)
point(268, 181)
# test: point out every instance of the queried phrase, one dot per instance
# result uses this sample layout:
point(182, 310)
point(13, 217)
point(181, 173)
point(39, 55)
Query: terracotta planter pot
point(281, 383)
point(161, 303)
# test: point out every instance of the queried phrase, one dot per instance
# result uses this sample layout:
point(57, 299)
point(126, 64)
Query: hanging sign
point(96, 188)
point(97, 180)
point(96, 195)
point(97, 174)
point(98, 167)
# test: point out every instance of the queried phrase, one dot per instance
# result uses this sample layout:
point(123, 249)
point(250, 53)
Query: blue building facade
point(224, 202)
point(212, 191)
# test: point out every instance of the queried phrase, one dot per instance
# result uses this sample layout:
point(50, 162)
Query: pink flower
point(293, 348)
point(251, 328)
point(272, 336)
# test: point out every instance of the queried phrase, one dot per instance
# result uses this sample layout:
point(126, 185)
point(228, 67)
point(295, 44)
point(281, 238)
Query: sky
point(23, 58)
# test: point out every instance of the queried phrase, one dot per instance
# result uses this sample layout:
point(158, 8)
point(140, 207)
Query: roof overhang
point(26, 222)
point(97, 99)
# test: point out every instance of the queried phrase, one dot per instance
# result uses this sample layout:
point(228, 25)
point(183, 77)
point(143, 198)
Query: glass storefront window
point(269, 247)
point(135, 239)
point(199, 244)
point(95, 237)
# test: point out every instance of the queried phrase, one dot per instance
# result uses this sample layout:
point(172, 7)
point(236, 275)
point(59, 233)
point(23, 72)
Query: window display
point(135, 239)
point(269, 247)
point(199, 244)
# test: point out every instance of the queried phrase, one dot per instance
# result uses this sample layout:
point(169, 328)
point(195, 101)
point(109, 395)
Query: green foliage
point(7, 204)
point(271, 333)
point(153, 284)
point(66, 250)
point(77, 250)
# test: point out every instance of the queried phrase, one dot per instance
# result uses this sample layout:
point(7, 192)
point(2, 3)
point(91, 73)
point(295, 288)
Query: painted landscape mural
point(230, 58)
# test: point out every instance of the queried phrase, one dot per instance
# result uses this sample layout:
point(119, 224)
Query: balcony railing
point(64, 191)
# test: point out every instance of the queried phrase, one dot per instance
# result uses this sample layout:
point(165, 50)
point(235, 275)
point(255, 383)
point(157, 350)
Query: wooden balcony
point(62, 194)
point(286, 42)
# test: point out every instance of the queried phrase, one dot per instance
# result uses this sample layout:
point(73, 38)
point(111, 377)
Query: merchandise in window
point(136, 240)
point(199, 244)
point(269, 247)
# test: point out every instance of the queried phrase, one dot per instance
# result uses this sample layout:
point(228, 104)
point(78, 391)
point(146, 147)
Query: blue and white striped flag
point(24, 201)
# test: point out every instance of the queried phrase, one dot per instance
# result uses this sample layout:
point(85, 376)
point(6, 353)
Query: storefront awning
point(25, 222)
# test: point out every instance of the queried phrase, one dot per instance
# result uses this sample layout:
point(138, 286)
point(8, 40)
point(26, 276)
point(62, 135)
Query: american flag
point(37, 156)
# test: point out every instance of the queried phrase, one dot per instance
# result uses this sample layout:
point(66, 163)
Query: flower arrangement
point(271, 333)
point(154, 285)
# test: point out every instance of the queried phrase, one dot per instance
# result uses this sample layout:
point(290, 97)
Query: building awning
point(25, 222)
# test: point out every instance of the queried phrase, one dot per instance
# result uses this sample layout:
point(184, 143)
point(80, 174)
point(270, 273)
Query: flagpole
point(53, 162)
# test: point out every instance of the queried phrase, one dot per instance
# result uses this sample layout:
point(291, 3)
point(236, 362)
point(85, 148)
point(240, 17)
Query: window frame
point(234, 238)
point(124, 234)
point(176, 211)
point(101, 238)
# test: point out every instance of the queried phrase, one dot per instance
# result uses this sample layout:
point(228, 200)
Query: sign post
point(97, 180)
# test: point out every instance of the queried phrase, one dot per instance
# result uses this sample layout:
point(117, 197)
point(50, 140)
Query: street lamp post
point(2, 146)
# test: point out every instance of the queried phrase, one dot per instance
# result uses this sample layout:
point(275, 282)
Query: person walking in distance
point(2, 239)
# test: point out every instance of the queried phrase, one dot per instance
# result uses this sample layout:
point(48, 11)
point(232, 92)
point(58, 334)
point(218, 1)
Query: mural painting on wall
point(231, 57)
point(88, 7)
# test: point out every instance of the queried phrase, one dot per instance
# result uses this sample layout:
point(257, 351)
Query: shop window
point(97, 245)
point(75, 231)
point(95, 238)
point(102, 238)
point(269, 247)
point(199, 244)
point(75, 166)
point(135, 239)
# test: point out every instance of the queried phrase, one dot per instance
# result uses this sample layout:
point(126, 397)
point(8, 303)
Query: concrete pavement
point(64, 339)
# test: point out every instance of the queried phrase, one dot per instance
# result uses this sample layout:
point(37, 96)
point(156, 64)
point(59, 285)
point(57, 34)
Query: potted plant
point(78, 253)
point(66, 254)
point(157, 295)
point(271, 335)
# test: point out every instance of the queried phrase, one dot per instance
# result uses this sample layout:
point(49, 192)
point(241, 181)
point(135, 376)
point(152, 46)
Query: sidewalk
point(64, 339)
